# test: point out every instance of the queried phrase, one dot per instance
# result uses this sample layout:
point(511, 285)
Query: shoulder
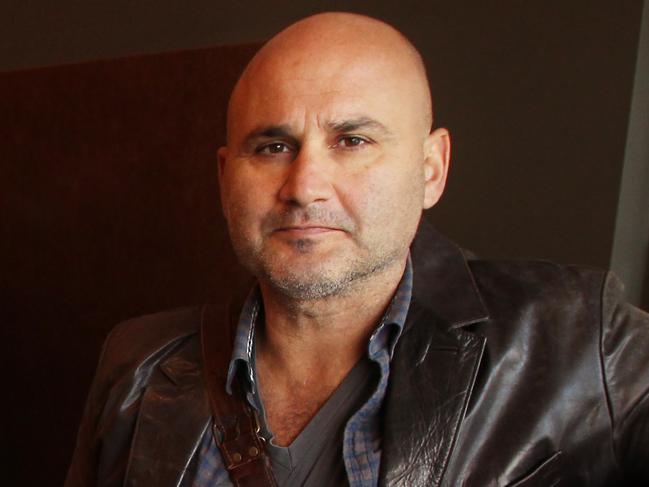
point(145, 340)
point(535, 272)
point(130, 355)
point(528, 282)
point(563, 287)
point(539, 307)
point(599, 343)
point(152, 331)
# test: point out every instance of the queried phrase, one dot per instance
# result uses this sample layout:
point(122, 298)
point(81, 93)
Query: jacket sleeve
point(85, 459)
point(625, 362)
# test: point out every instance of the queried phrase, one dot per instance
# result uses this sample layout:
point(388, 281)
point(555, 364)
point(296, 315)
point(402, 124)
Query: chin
point(303, 271)
point(306, 277)
point(309, 290)
point(319, 279)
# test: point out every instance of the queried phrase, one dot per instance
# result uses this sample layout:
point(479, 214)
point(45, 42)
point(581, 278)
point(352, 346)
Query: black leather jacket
point(507, 373)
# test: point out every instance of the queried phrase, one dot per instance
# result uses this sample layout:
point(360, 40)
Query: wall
point(630, 256)
point(536, 94)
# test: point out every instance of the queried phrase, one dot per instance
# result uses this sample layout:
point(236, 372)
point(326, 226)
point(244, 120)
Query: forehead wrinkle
point(360, 123)
point(282, 130)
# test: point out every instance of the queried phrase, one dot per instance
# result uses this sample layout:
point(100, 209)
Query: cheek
point(252, 197)
point(244, 207)
point(237, 206)
point(395, 205)
point(246, 193)
point(383, 199)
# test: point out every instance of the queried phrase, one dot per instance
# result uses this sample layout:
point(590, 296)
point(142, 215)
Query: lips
point(312, 220)
point(307, 230)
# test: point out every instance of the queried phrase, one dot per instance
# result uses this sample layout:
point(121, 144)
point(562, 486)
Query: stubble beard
point(336, 275)
point(307, 269)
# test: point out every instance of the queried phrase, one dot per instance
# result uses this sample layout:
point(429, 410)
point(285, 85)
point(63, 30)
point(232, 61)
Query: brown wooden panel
point(109, 209)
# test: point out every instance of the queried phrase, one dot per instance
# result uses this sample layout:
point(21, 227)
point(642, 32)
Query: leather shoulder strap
point(236, 426)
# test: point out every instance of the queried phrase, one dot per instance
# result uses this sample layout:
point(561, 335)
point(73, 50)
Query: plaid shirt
point(362, 436)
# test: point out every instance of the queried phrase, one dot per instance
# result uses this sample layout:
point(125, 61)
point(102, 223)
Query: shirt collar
point(244, 339)
point(389, 329)
point(384, 337)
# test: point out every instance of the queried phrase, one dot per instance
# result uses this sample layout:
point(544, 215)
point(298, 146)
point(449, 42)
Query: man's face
point(324, 177)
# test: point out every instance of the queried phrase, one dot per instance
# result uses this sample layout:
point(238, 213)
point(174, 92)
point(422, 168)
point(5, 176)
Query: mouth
point(306, 230)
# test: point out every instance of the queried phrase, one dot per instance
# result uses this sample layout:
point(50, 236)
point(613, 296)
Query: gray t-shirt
point(315, 457)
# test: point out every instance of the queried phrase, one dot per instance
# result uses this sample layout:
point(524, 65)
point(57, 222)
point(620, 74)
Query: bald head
point(330, 157)
point(334, 48)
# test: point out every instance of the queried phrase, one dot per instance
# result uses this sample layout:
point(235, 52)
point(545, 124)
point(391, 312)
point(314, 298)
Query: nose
point(308, 179)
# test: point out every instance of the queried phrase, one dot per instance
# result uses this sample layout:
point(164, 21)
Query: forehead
point(303, 90)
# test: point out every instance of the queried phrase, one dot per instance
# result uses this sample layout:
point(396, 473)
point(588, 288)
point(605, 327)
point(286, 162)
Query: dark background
point(108, 199)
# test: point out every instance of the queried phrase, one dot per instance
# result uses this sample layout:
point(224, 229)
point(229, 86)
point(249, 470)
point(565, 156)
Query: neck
point(315, 340)
point(306, 348)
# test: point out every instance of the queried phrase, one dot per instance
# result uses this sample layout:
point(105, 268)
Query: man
point(371, 350)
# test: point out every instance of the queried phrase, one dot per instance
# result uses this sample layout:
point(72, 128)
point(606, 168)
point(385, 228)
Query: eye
point(273, 148)
point(351, 141)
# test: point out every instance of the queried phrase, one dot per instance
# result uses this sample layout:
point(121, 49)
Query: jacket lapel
point(174, 414)
point(434, 366)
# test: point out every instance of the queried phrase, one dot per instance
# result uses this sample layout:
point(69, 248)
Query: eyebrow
point(271, 131)
point(342, 126)
point(338, 126)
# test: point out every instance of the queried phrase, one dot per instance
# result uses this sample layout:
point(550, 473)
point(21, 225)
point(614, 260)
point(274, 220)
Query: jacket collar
point(443, 283)
point(434, 367)
point(173, 416)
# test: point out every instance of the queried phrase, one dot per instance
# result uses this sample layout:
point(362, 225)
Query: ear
point(437, 155)
point(222, 156)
